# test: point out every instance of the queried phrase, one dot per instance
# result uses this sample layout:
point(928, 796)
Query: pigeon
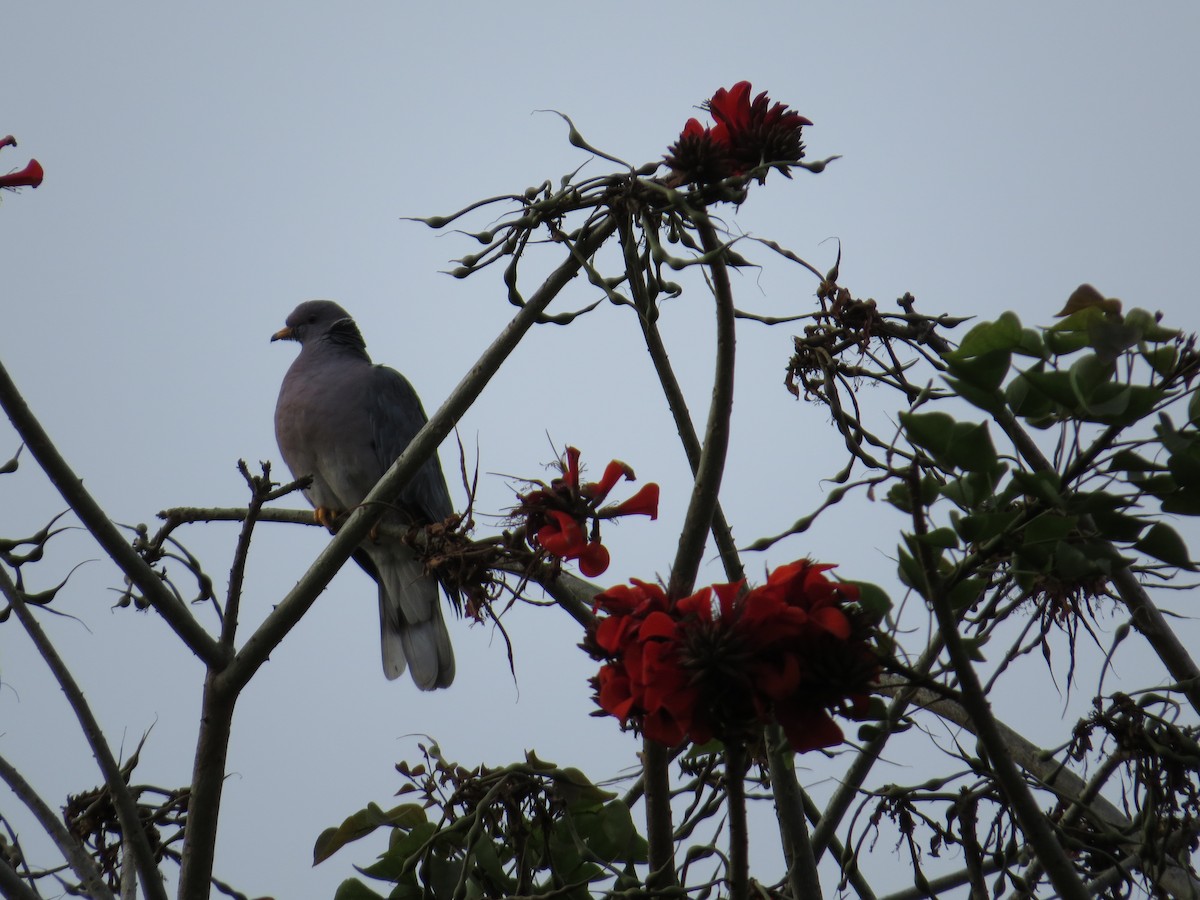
point(343, 421)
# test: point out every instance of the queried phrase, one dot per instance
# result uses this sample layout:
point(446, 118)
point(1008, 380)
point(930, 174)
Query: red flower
point(30, 176)
point(643, 503)
point(724, 661)
point(563, 537)
point(556, 515)
point(593, 560)
point(613, 472)
point(747, 135)
point(701, 155)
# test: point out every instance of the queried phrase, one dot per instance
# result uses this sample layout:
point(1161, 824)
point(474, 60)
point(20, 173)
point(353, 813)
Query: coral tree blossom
point(556, 516)
point(30, 176)
point(746, 134)
point(724, 661)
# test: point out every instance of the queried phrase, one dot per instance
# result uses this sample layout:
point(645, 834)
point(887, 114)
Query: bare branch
point(70, 486)
point(126, 807)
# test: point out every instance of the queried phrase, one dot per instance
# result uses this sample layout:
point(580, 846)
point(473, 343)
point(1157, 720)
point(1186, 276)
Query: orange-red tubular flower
point(643, 503)
point(30, 176)
point(725, 660)
point(563, 537)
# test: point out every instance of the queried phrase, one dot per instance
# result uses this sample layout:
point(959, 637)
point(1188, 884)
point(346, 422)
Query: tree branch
point(73, 852)
point(107, 535)
point(123, 800)
point(706, 488)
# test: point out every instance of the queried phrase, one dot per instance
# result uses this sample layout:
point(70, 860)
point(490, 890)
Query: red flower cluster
point(556, 515)
point(747, 134)
point(724, 661)
point(30, 176)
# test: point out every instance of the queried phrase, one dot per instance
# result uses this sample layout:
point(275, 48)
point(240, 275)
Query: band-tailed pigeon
point(344, 421)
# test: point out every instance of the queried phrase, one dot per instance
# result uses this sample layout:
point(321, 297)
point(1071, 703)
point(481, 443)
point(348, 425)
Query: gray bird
point(343, 420)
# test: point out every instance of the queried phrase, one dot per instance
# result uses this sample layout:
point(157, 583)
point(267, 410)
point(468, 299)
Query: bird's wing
point(396, 417)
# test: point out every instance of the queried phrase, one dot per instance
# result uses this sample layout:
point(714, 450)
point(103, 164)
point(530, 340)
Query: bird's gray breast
point(324, 429)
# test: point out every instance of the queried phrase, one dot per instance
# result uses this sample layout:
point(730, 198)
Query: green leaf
point(1182, 503)
point(1087, 375)
point(1054, 385)
point(974, 647)
point(910, 571)
point(974, 489)
point(986, 371)
point(1128, 461)
point(1161, 359)
point(989, 400)
point(1061, 343)
point(579, 791)
point(1031, 344)
point(929, 430)
point(965, 594)
point(1164, 543)
point(1079, 320)
point(971, 448)
point(1092, 502)
point(1118, 526)
point(963, 445)
point(1026, 401)
point(362, 823)
point(984, 526)
point(1128, 404)
point(1110, 336)
point(353, 889)
point(1048, 527)
point(442, 874)
point(940, 538)
point(1043, 486)
point(900, 497)
point(1184, 466)
point(1002, 335)
point(708, 748)
point(1072, 564)
point(615, 835)
point(489, 865)
point(1149, 327)
point(873, 600)
point(403, 845)
point(932, 553)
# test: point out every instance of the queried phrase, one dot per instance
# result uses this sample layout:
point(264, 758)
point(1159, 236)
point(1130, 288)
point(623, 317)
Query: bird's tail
point(412, 630)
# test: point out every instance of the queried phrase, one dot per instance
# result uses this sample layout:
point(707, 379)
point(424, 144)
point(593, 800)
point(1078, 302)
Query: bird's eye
point(312, 318)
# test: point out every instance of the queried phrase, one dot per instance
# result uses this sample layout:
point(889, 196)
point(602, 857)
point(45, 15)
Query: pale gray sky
point(208, 168)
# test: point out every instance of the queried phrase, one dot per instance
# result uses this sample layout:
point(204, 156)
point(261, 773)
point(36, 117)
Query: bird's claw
point(325, 516)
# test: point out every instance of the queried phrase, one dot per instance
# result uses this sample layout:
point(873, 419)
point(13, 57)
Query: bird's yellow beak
point(283, 334)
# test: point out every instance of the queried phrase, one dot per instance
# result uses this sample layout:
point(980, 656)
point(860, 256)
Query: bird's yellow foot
point(325, 516)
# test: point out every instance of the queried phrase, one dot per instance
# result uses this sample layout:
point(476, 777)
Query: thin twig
point(73, 852)
point(110, 538)
point(122, 798)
